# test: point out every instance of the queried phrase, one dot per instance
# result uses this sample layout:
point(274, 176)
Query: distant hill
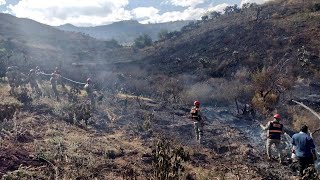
point(125, 31)
point(27, 43)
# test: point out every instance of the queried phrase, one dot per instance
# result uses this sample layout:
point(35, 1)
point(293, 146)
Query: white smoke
point(253, 1)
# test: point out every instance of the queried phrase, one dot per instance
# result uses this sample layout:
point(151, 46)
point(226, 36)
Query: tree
point(232, 9)
point(113, 43)
point(4, 60)
point(270, 83)
point(204, 17)
point(163, 34)
point(142, 41)
point(248, 5)
point(214, 14)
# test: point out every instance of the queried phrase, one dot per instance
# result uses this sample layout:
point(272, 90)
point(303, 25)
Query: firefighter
point(198, 120)
point(89, 89)
point(53, 80)
point(39, 75)
point(11, 76)
point(59, 80)
point(33, 83)
point(275, 130)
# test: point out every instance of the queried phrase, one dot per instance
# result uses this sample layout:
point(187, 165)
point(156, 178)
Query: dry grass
point(302, 117)
point(4, 95)
point(127, 96)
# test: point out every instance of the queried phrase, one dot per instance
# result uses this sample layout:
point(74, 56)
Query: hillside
point(41, 140)
point(28, 43)
point(243, 66)
point(253, 38)
point(125, 31)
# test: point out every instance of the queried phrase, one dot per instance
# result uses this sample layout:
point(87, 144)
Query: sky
point(102, 12)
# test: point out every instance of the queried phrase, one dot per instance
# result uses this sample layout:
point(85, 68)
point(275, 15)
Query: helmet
point(196, 103)
point(9, 68)
point(31, 70)
point(88, 80)
point(277, 116)
point(37, 67)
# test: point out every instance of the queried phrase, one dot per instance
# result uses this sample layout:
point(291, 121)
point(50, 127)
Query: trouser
point(276, 142)
point(35, 88)
point(55, 91)
point(11, 91)
point(198, 130)
point(304, 163)
point(92, 101)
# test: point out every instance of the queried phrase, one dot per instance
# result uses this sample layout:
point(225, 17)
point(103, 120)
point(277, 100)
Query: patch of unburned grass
point(5, 98)
point(127, 96)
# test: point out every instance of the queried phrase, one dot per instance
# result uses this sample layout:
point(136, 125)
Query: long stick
point(312, 111)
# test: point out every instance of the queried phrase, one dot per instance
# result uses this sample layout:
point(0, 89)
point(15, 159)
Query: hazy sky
point(100, 12)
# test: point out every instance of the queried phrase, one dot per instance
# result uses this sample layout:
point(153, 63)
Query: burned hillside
point(218, 46)
point(244, 67)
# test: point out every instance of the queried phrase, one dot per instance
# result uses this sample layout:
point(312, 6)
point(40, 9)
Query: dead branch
point(312, 111)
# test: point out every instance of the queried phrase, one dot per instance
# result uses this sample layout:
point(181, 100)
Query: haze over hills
point(125, 31)
point(36, 43)
point(243, 66)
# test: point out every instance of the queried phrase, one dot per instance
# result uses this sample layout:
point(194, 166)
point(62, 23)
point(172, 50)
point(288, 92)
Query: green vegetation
point(168, 160)
point(142, 41)
point(262, 56)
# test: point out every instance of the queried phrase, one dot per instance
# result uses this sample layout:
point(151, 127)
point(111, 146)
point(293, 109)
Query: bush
point(142, 41)
point(168, 160)
point(163, 34)
point(302, 117)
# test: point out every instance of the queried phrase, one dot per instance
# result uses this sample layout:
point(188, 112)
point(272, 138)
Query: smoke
point(253, 1)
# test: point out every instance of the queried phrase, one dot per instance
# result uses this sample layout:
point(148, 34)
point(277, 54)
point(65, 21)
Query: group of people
point(303, 147)
point(16, 80)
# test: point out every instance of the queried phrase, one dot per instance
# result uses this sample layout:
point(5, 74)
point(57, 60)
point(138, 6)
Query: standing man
point(304, 149)
point(275, 130)
point(198, 121)
point(11, 76)
point(39, 75)
point(89, 89)
point(59, 80)
point(53, 80)
point(33, 83)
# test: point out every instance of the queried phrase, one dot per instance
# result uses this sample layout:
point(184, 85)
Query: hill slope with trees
point(30, 43)
point(262, 55)
point(243, 66)
point(125, 32)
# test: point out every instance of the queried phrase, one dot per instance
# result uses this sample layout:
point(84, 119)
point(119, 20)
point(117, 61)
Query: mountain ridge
point(125, 32)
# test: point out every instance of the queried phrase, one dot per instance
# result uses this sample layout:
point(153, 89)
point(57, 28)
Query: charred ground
point(263, 55)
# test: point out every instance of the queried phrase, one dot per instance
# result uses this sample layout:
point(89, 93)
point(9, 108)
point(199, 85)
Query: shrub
point(163, 34)
point(142, 41)
point(302, 117)
point(168, 160)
